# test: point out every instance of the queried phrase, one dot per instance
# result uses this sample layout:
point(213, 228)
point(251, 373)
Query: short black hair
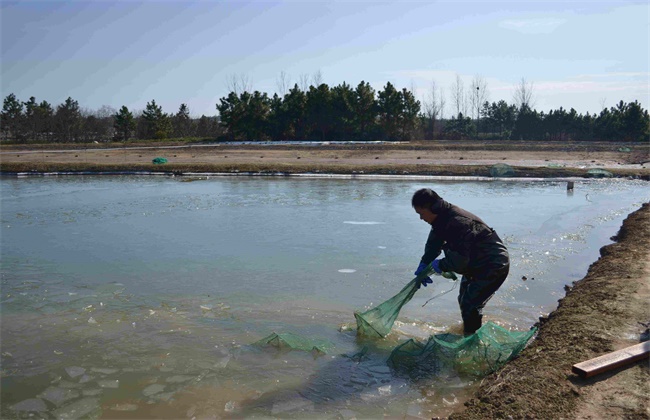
point(425, 198)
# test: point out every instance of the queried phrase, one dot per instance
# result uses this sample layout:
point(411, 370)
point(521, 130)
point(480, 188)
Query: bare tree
point(479, 95)
point(431, 106)
point(239, 83)
point(441, 104)
point(303, 82)
point(317, 78)
point(524, 94)
point(283, 83)
point(603, 102)
point(458, 96)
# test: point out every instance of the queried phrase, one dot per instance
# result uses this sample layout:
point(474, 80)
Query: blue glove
point(421, 267)
point(425, 280)
point(436, 266)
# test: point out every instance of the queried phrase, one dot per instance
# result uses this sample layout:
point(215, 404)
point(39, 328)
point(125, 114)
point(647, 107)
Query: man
point(471, 248)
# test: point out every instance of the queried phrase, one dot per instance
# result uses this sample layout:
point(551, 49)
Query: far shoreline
point(521, 159)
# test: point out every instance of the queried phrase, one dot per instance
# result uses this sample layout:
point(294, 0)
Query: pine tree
point(124, 123)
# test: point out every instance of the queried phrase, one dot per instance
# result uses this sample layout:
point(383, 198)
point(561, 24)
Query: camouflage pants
point(475, 293)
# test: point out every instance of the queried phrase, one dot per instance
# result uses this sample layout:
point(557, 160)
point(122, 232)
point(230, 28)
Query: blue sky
point(576, 54)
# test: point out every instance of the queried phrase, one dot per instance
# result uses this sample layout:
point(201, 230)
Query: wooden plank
point(612, 360)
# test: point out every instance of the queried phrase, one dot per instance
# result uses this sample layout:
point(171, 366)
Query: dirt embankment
point(442, 158)
point(605, 311)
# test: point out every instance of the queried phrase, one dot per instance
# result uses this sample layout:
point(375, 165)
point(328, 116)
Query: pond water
point(140, 297)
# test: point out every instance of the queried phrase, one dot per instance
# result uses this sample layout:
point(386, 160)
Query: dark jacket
point(471, 247)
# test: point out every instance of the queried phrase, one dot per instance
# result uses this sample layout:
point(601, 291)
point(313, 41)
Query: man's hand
point(425, 280)
point(436, 266)
point(421, 267)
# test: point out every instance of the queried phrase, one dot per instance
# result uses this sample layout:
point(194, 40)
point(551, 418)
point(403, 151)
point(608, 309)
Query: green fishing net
point(483, 352)
point(501, 170)
point(599, 173)
point(378, 321)
point(290, 341)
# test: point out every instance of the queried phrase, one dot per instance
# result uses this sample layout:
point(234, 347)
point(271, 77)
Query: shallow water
point(135, 297)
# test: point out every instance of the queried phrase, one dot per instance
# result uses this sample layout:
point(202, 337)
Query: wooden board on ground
point(612, 360)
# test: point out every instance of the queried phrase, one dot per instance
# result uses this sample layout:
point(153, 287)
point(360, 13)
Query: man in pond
point(471, 248)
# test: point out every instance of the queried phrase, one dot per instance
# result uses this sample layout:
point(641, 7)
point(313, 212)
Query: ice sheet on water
point(78, 409)
point(351, 222)
point(58, 396)
point(298, 404)
point(74, 371)
point(153, 389)
point(347, 270)
point(178, 379)
point(104, 371)
point(109, 383)
point(32, 404)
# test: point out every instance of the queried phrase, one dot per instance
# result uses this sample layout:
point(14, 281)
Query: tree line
point(68, 123)
point(324, 113)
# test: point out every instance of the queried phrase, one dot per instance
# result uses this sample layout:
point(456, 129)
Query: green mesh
point(159, 160)
point(378, 321)
point(599, 173)
point(290, 341)
point(501, 170)
point(489, 348)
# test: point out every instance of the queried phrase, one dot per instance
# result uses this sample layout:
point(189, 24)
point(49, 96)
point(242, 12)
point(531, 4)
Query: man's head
point(425, 201)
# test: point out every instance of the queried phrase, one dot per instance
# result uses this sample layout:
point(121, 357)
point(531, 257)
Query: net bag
point(598, 173)
point(501, 170)
point(483, 352)
point(378, 321)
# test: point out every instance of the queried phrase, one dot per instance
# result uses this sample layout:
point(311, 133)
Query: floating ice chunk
point(104, 371)
point(91, 320)
point(124, 407)
point(58, 396)
point(230, 407)
point(347, 414)
point(178, 378)
point(74, 371)
point(109, 383)
point(223, 362)
point(84, 379)
point(91, 392)
point(381, 247)
point(347, 270)
point(153, 389)
point(78, 409)
point(452, 401)
point(298, 404)
point(58, 353)
point(350, 222)
point(32, 404)
point(385, 390)
point(415, 411)
point(205, 308)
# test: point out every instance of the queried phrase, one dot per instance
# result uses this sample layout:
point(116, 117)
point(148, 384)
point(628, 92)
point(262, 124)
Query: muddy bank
point(605, 311)
point(440, 158)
